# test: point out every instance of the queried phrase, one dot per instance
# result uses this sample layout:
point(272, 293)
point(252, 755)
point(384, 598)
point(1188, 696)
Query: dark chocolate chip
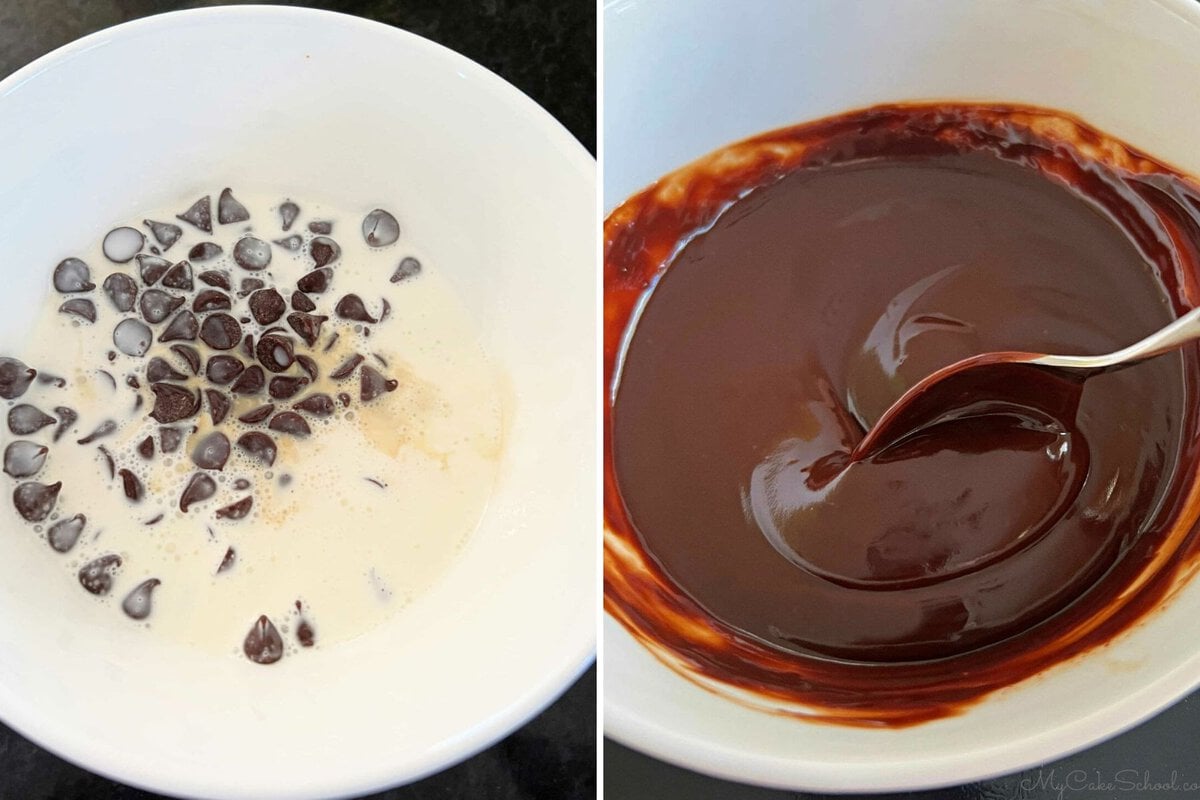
point(324, 227)
point(23, 458)
point(267, 306)
point(236, 510)
point(263, 644)
point(183, 327)
point(251, 381)
point(409, 268)
point(252, 253)
point(316, 281)
point(284, 386)
point(387, 310)
point(319, 405)
point(259, 446)
point(344, 399)
point(229, 210)
point(380, 228)
point(132, 486)
point(305, 634)
point(217, 278)
point(250, 285)
point(173, 402)
point(145, 448)
point(324, 251)
point(179, 277)
point(15, 377)
point(97, 576)
point(218, 405)
point(346, 368)
point(66, 418)
point(220, 331)
point(63, 534)
point(258, 414)
point(132, 337)
point(211, 300)
point(136, 604)
point(274, 351)
point(288, 211)
point(72, 275)
point(248, 345)
point(132, 382)
point(205, 251)
point(293, 242)
point(223, 369)
point(160, 370)
point(289, 422)
point(80, 307)
point(212, 451)
point(200, 214)
point(308, 326)
point(301, 302)
point(156, 305)
point(169, 439)
point(122, 244)
point(308, 365)
point(121, 290)
point(151, 268)
point(48, 379)
point(25, 419)
point(34, 501)
point(189, 354)
point(166, 233)
point(374, 384)
point(106, 428)
point(228, 561)
point(352, 307)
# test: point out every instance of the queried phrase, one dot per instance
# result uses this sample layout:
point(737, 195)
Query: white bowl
point(306, 102)
point(684, 77)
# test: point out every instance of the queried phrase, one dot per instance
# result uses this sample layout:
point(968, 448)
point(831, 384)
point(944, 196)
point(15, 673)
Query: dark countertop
point(547, 48)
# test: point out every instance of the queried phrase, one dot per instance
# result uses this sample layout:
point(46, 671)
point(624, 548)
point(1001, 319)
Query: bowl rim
point(576, 653)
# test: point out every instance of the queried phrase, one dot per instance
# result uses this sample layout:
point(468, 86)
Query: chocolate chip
point(218, 405)
point(274, 351)
point(66, 418)
point(347, 367)
point(132, 337)
point(293, 242)
point(151, 268)
point(136, 604)
point(308, 365)
point(199, 214)
point(15, 377)
point(182, 327)
point(409, 268)
point(132, 382)
point(259, 446)
point(236, 510)
point(159, 370)
point(316, 281)
point(258, 414)
point(212, 452)
point(252, 253)
point(217, 278)
point(122, 244)
point(97, 576)
point(106, 428)
point(189, 354)
point(267, 306)
point(63, 534)
point(344, 399)
point(304, 633)
point(263, 644)
point(25, 419)
point(145, 448)
point(249, 382)
point(284, 386)
point(289, 422)
point(374, 384)
point(301, 302)
point(250, 285)
point(132, 486)
point(223, 369)
point(321, 226)
point(179, 277)
point(72, 275)
point(211, 300)
point(220, 331)
point(205, 251)
point(380, 228)
point(24, 458)
point(288, 211)
point(156, 305)
point(166, 233)
point(308, 326)
point(228, 561)
point(387, 310)
point(121, 290)
point(80, 307)
point(173, 402)
point(352, 307)
point(34, 501)
point(248, 346)
point(229, 210)
point(169, 439)
point(324, 251)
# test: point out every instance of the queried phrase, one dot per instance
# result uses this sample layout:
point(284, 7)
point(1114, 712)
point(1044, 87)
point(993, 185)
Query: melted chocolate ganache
point(766, 304)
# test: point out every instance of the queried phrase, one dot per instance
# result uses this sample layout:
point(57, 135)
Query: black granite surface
point(547, 48)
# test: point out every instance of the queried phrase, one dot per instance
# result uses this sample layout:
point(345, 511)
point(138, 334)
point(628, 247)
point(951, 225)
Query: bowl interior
point(501, 198)
point(1128, 69)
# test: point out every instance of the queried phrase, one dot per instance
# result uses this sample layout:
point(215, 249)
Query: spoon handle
point(1180, 332)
